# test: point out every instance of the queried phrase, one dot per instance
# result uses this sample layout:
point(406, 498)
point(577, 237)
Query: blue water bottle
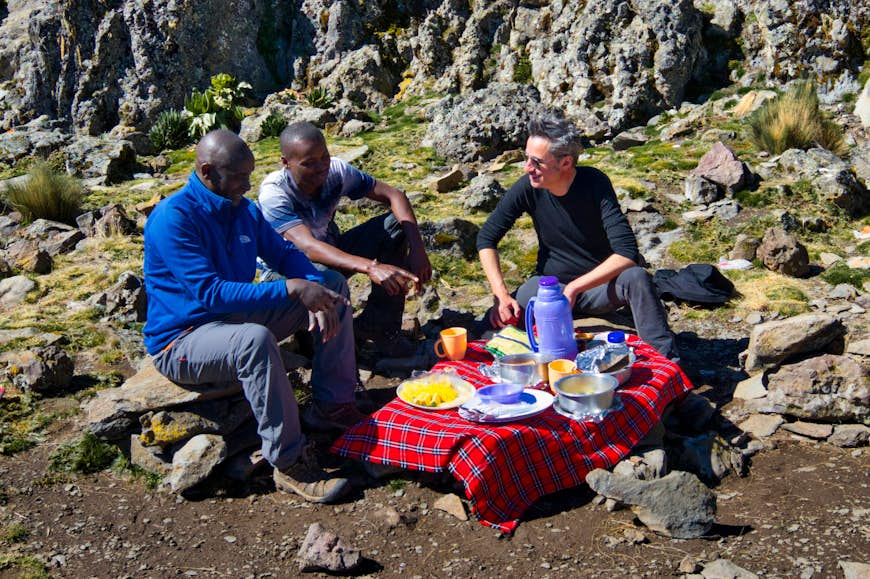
point(550, 313)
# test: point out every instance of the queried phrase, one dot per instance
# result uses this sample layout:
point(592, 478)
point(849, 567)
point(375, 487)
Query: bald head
point(224, 164)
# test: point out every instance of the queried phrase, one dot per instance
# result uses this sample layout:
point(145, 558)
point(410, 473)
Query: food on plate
point(432, 393)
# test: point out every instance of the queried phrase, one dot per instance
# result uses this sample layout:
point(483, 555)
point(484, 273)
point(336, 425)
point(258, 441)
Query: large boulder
point(774, 342)
point(831, 178)
point(783, 253)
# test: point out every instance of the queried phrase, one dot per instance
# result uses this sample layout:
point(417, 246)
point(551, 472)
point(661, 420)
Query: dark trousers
point(634, 288)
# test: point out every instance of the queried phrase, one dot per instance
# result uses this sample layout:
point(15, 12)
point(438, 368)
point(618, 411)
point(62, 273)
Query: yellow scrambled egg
point(429, 393)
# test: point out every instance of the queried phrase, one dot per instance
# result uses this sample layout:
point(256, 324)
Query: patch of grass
point(170, 131)
point(397, 484)
point(273, 125)
point(123, 467)
point(15, 533)
point(21, 423)
point(47, 195)
point(794, 121)
point(842, 273)
point(87, 454)
point(23, 567)
point(523, 69)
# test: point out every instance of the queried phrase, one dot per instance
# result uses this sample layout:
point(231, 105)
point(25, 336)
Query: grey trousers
point(632, 287)
point(244, 347)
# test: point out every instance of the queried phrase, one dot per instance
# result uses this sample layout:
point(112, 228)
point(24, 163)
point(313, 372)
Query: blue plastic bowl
point(501, 393)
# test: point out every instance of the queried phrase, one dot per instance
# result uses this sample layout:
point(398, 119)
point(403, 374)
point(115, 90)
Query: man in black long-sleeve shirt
point(583, 238)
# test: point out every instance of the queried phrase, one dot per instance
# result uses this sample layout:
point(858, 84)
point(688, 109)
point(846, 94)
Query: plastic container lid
point(548, 281)
point(615, 337)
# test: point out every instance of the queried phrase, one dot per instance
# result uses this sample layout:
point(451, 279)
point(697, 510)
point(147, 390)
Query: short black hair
point(564, 137)
point(300, 131)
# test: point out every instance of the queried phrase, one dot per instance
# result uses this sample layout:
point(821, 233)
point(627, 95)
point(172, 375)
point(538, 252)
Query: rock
point(243, 465)
point(850, 435)
point(829, 259)
point(448, 182)
point(700, 191)
point(754, 318)
point(151, 458)
point(725, 569)
point(859, 262)
point(843, 291)
point(721, 166)
point(688, 564)
point(452, 504)
point(649, 465)
point(455, 237)
point(825, 388)
point(783, 253)
point(709, 456)
point(62, 242)
point(859, 348)
point(164, 428)
point(112, 412)
point(45, 369)
point(809, 429)
point(677, 505)
point(831, 178)
point(773, 342)
point(852, 570)
point(630, 138)
point(761, 425)
point(38, 262)
point(194, 462)
point(745, 247)
point(322, 550)
point(482, 194)
point(125, 301)
point(862, 106)
point(751, 101)
point(751, 388)
point(355, 126)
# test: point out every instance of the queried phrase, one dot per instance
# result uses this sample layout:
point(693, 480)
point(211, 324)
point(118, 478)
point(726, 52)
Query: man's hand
point(504, 312)
point(327, 322)
point(394, 280)
point(418, 261)
point(321, 303)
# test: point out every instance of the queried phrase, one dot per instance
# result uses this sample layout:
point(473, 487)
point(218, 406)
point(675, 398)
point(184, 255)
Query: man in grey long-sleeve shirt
point(583, 238)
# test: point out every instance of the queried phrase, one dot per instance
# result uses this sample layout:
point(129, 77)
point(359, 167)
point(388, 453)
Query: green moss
point(21, 423)
point(523, 69)
point(842, 273)
point(22, 567)
point(15, 533)
point(785, 292)
point(87, 454)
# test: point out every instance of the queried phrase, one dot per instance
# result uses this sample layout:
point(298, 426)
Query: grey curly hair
point(564, 137)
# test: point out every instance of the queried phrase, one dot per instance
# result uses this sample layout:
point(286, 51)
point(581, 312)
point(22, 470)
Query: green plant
point(23, 567)
point(15, 533)
point(523, 69)
point(47, 194)
point(170, 131)
point(87, 454)
point(319, 98)
point(219, 106)
point(20, 423)
point(793, 121)
point(842, 273)
point(273, 125)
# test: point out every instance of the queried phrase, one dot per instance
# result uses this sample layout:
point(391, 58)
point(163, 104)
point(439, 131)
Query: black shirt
point(576, 232)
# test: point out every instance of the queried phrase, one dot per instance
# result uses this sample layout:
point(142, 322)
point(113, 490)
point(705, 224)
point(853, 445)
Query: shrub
point(842, 273)
point(793, 121)
point(273, 125)
point(88, 454)
point(170, 131)
point(48, 194)
point(319, 98)
point(218, 107)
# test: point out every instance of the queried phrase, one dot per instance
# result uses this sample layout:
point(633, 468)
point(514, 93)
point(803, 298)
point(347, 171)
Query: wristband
point(316, 278)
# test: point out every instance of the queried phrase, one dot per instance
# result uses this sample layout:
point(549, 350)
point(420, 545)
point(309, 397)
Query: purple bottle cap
point(548, 281)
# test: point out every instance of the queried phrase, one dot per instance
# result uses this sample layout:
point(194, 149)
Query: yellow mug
point(558, 369)
point(452, 343)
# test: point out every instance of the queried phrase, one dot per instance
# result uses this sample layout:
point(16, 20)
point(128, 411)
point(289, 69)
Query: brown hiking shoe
point(390, 344)
point(306, 479)
point(328, 416)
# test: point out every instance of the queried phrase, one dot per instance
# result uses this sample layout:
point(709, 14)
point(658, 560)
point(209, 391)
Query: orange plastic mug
point(452, 343)
point(558, 369)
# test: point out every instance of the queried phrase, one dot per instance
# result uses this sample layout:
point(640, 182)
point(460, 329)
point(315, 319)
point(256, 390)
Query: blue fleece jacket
point(200, 262)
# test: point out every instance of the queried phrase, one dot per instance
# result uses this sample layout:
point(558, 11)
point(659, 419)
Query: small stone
point(850, 435)
point(751, 388)
point(452, 504)
point(829, 259)
point(752, 448)
point(754, 318)
point(859, 347)
point(688, 565)
point(852, 570)
point(809, 429)
point(761, 425)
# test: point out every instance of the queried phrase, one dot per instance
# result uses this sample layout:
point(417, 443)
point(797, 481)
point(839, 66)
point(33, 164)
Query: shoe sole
point(337, 492)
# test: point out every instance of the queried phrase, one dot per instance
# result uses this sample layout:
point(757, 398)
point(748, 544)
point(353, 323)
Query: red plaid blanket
point(506, 467)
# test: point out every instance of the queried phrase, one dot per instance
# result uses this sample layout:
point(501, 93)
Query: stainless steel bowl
point(585, 394)
point(525, 369)
point(623, 374)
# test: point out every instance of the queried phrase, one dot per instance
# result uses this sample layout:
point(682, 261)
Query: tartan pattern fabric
point(506, 467)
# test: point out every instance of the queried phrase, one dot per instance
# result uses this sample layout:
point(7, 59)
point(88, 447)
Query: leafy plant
point(48, 194)
point(319, 98)
point(20, 423)
point(170, 131)
point(273, 125)
point(219, 106)
point(88, 454)
point(793, 121)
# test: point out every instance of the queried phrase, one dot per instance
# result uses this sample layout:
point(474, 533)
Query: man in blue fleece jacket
point(208, 321)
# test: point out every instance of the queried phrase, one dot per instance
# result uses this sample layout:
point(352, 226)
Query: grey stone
point(773, 342)
point(783, 253)
point(700, 191)
point(455, 237)
point(677, 505)
point(754, 318)
point(45, 369)
point(630, 138)
point(194, 462)
point(721, 166)
point(166, 428)
point(751, 388)
point(828, 259)
point(725, 569)
point(451, 504)
point(825, 388)
point(809, 429)
point(482, 193)
point(850, 435)
point(859, 347)
point(709, 456)
point(862, 106)
point(843, 291)
point(854, 570)
point(14, 289)
point(448, 182)
point(745, 247)
point(761, 425)
point(151, 458)
point(322, 550)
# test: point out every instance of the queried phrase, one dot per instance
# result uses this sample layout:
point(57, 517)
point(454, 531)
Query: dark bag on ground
point(697, 283)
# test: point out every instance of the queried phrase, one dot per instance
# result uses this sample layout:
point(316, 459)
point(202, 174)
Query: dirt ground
point(802, 509)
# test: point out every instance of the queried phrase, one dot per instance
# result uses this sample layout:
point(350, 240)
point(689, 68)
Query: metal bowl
point(623, 374)
point(585, 394)
point(526, 369)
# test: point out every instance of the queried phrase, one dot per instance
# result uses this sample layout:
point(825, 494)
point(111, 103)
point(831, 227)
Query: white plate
point(532, 402)
point(464, 390)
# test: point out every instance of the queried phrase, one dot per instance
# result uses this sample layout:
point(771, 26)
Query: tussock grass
point(766, 291)
point(22, 567)
point(47, 195)
point(87, 454)
point(794, 121)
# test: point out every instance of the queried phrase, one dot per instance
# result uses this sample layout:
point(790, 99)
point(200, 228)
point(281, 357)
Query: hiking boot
point(306, 479)
point(391, 344)
point(329, 416)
